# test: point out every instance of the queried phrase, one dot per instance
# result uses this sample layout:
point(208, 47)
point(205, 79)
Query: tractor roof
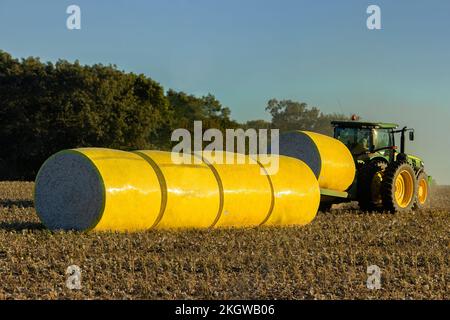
point(359, 124)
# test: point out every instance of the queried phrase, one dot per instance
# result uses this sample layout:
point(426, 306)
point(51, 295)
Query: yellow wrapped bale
point(328, 158)
point(99, 189)
point(296, 194)
point(102, 189)
point(191, 189)
point(247, 193)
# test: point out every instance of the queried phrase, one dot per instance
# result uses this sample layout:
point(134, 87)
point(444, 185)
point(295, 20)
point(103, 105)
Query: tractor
point(387, 179)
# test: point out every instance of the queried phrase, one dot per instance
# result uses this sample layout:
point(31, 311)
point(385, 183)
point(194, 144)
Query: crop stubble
point(326, 259)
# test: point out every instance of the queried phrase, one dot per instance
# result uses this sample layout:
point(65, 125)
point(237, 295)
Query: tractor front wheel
point(398, 188)
point(423, 192)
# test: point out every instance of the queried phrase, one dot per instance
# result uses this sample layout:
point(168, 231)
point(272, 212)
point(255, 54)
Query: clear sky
point(248, 51)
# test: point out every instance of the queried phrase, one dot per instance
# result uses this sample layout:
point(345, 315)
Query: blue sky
point(246, 52)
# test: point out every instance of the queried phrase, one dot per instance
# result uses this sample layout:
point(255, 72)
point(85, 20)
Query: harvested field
point(327, 259)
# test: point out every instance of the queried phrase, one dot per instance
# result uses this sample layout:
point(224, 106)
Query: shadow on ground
point(17, 203)
point(20, 226)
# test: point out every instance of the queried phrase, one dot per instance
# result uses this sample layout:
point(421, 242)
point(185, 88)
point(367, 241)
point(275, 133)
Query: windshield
point(356, 139)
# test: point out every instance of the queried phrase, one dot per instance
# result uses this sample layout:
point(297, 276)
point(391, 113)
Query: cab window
point(381, 139)
point(356, 139)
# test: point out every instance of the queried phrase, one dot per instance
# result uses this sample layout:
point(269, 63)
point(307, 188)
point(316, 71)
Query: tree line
point(47, 107)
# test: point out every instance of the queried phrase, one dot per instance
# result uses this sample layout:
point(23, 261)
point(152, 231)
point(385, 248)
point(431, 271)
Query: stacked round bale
point(102, 189)
point(329, 159)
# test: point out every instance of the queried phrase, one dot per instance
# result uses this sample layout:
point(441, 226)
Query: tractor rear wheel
point(423, 192)
point(398, 188)
point(369, 184)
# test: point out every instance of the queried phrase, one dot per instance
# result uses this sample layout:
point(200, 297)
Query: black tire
point(422, 202)
point(389, 188)
point(366, 175)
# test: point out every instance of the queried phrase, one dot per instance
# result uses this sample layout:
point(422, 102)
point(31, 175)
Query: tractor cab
point(367, 140)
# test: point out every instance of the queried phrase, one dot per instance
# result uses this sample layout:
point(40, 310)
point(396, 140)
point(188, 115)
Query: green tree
point(292, 115)
point(48, 107)
point(189, 108)
point(257, 124)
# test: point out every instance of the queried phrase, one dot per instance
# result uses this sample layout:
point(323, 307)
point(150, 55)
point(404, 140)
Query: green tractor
point(387, 179)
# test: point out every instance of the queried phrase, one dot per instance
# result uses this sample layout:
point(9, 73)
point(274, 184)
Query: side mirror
point(411, 136)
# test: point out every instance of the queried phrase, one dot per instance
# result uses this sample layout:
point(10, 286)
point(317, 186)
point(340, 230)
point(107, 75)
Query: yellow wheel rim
point(404, 188)
point(422, 193)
